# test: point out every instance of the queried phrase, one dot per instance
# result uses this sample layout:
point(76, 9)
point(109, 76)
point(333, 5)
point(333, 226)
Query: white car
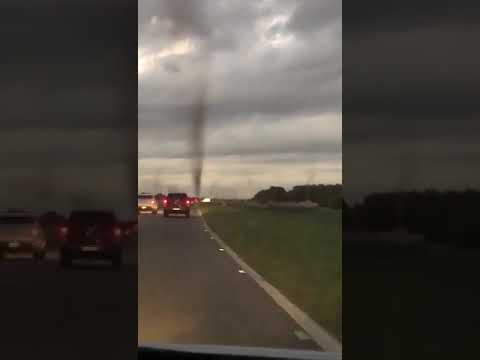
point(21, 233)
point(147, 203)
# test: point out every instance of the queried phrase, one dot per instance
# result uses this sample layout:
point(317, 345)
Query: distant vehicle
point(195, 200)
point(147, 203)
point(51, 223)
point(21, 233)
point(159, 198)
point(176, 203)
point(206, 200)
point(91, 234)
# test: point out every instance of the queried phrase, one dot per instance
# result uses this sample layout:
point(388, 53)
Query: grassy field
point(417, 304)
point(297, 250)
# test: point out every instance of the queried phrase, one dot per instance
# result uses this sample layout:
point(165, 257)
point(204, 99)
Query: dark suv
point(176, 203)
point(91, 234)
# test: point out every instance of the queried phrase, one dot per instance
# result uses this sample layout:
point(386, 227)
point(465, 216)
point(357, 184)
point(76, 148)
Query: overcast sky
point(410, 95)
point(274, 93)
point(68, 103)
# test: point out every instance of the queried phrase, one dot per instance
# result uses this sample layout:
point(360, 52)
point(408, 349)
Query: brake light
point(188, 202)
point(152, 202)
point(117, 231)
point(64, 230)
point(165, 201)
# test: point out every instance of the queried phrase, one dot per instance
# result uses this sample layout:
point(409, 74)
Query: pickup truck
point(176, 203)
point(91, 234)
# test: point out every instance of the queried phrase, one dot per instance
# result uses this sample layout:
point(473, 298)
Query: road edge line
point(318, 334)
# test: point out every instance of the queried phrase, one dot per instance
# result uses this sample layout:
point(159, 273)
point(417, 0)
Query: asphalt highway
point(87, 312)
point(189, 292)
point(182, 290)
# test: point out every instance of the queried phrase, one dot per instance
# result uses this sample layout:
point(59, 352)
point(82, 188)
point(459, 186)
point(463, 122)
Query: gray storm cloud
point(243, 91)
point(412, 92)
point(68, 98)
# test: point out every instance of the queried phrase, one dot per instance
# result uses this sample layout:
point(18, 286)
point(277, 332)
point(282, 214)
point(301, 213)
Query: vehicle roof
point(102, 212)
point(15, 213)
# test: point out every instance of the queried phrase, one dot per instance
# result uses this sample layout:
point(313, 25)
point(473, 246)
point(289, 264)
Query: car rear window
point(145, 196)
point(177, 196)
point(16, 220)
point(97, 217)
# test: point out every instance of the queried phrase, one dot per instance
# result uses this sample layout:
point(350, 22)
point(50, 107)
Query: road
point(87, 312)
point(192, 293)
point(188, 292)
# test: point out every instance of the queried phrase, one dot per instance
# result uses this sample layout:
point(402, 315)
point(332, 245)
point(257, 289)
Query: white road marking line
point(302, 335)
point(318, 334)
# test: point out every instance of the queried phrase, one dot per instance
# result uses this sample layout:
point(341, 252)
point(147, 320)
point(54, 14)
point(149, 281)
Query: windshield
point(238, 125)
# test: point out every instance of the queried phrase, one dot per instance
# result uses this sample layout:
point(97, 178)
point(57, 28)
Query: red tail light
point(64, 230)
point(165, 201)
point(117, 232)
point(188, 202)
point(152, 202)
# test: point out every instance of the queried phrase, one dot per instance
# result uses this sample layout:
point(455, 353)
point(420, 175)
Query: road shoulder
point(318, 334)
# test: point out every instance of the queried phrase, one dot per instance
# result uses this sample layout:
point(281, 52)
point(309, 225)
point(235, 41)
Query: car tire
point(187, 214)
point(155, 212)
point(165, 213)
point(65, 261)
point(39, 255)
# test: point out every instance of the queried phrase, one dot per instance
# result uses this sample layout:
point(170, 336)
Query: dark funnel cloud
point(191, 18)
point(198, 139)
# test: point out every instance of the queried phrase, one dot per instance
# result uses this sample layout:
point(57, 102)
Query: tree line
point(448, 216)
point(324, 195)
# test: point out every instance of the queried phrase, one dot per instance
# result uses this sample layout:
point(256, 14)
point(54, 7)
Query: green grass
point(297, 250)
point(421, 305)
